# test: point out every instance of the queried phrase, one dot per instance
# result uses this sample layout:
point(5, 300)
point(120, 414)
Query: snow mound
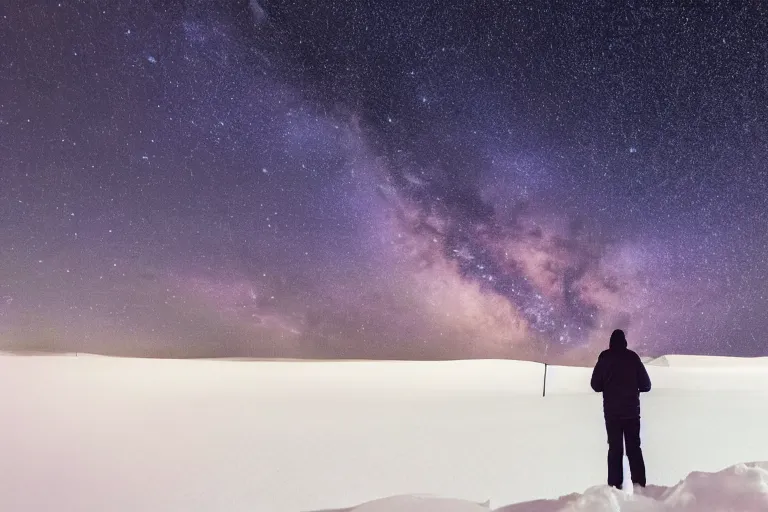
point(421, 504)
point(743, 488)
point(417, 503)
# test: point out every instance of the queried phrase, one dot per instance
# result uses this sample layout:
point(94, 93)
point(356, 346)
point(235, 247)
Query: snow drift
point(743, 488)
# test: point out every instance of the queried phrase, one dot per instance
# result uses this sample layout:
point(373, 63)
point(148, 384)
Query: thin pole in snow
point(544, 390)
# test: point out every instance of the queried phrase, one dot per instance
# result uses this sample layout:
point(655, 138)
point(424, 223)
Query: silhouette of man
point(621, 376)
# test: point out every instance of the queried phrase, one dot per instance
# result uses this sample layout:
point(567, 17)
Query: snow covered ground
point(93, 433)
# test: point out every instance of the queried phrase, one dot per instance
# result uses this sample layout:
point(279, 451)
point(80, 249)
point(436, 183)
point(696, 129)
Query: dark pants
point(621, 432)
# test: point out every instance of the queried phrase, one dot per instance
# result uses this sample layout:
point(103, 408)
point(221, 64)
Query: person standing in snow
point(621, 376)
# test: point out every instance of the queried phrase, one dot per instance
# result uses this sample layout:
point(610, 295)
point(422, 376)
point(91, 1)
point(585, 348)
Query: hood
point(618, 340)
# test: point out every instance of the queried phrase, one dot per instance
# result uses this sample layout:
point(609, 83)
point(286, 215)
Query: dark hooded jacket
point(620, 376)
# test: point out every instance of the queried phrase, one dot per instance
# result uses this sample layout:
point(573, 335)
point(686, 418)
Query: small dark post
point(544, 391)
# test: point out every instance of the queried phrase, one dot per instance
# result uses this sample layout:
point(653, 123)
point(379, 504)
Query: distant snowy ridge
point(454, 377)
point(677, 360)
point(707, 361)
point(743, 488)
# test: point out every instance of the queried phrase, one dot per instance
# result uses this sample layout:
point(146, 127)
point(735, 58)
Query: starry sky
point(383, 179)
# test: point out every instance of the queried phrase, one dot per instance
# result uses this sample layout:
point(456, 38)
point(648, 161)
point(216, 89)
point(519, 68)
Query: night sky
point(383, 179)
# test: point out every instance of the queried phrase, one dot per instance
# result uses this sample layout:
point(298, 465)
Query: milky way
point(421, 180)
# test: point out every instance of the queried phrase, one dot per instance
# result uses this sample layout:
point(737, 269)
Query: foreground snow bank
point(743, 487)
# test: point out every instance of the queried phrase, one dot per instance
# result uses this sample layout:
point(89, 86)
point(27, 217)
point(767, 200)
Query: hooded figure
point(621, 376)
